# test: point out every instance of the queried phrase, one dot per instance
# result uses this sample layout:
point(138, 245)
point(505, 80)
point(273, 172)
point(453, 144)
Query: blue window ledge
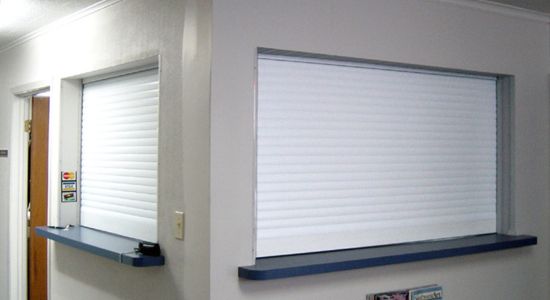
point(111, 246)
point(323, 262)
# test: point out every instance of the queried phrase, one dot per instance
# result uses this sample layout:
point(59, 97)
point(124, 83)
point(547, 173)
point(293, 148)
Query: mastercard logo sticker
point(69, 176)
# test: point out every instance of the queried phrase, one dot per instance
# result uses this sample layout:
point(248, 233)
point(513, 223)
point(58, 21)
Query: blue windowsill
point(111, 246)
point(323, 262)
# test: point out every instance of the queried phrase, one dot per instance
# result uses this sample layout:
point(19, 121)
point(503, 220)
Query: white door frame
point(21, 109)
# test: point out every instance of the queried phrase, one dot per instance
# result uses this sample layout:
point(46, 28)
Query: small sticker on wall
point(68, 175)
point(68, 197)
point(68, 186)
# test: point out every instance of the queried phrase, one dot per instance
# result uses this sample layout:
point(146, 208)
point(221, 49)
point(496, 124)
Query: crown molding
point(503, 9)
point(483, 5)
point(60, 23)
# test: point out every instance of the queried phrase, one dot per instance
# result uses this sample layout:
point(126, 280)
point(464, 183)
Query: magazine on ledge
point(428, 292)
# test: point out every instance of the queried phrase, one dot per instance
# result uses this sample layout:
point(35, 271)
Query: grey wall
point(432, 33)
point(178, 31)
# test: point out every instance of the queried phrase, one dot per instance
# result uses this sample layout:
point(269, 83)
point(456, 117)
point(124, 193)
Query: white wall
point(425, 32)
point(219, 235)
point(178, 31)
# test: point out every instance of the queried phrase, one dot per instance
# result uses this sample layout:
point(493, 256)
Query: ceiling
point(21, 17)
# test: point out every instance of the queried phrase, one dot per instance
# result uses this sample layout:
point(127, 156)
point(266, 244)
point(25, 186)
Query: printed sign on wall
point(68, 176)
point(68, 187)
point(68, 197)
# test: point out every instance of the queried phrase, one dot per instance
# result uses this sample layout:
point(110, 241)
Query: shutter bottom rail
point(323, 262)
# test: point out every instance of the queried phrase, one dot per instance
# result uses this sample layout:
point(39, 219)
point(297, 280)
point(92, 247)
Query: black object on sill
point(315, 263)
point(108, 245)
point(151, 249)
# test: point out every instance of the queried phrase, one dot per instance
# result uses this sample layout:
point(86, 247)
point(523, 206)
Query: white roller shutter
point(120, 155)
point(353, 155)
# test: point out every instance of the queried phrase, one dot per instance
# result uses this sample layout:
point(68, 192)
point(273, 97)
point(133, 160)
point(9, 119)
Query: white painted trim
point(54, 145)
point(61, 22)
point(54, 136)
point(65, 102)
point(17, 201)
point(503, 9)
point(21, 110)
point(30, 89)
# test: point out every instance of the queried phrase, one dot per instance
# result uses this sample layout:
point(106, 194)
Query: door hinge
point(28, 126)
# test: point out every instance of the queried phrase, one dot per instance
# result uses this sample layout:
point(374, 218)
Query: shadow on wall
point(107, 279)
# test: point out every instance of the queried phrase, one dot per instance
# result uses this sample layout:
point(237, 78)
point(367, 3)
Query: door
point(38, 197)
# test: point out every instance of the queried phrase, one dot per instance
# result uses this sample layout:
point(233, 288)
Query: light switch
point(179, 222)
